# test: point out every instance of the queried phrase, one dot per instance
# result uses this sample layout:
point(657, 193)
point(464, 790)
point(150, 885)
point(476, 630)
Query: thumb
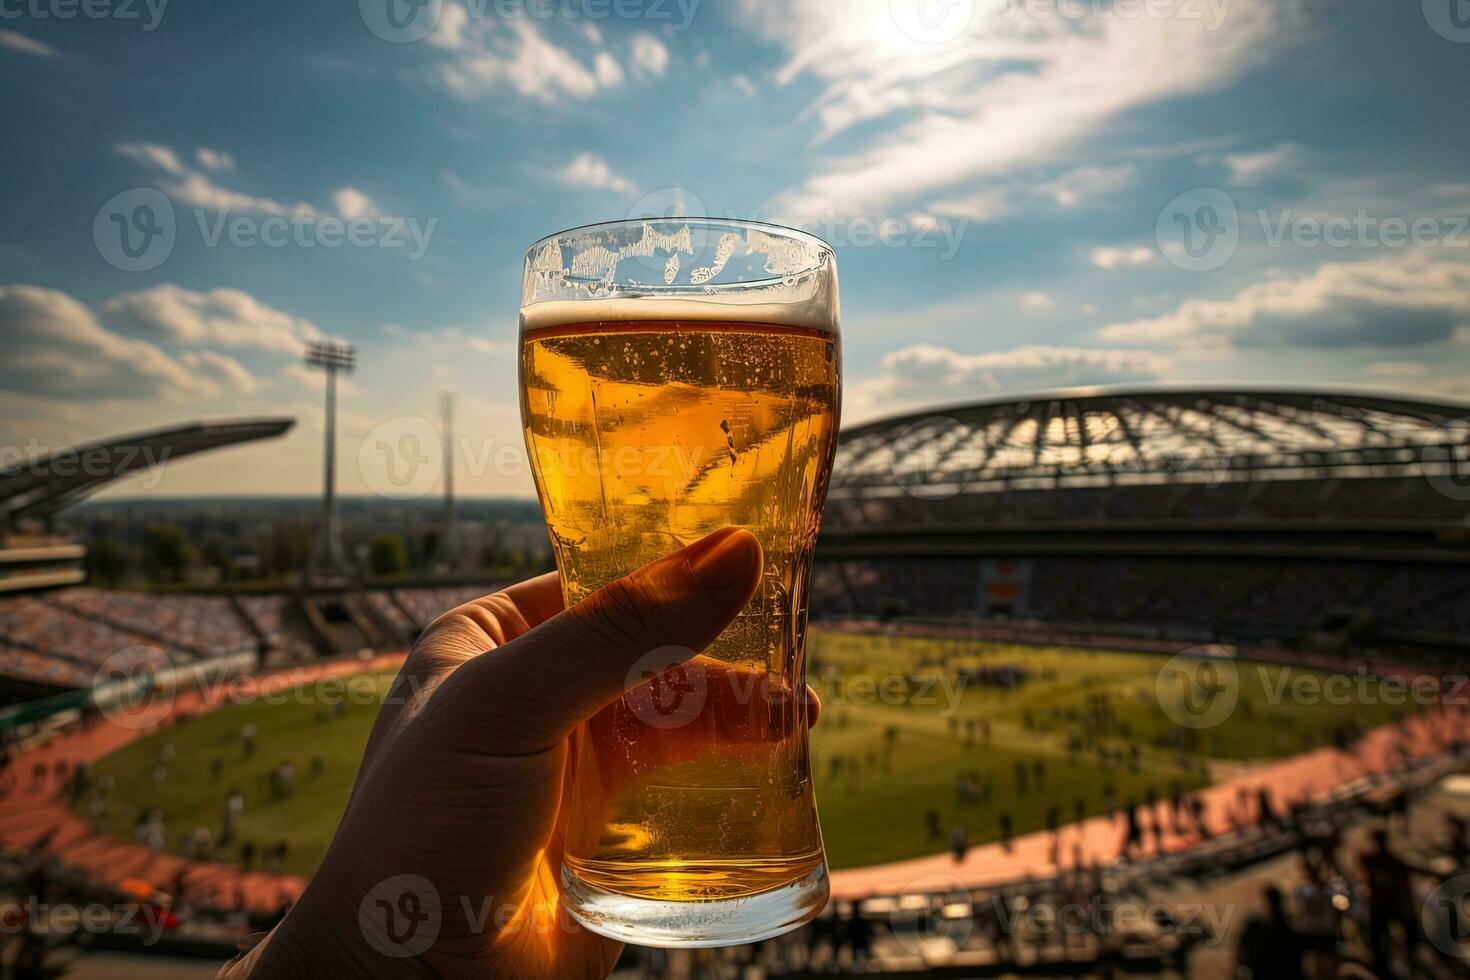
point(531, 693)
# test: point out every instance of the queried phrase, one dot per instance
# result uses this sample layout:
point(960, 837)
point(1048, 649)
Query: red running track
point(32, 815)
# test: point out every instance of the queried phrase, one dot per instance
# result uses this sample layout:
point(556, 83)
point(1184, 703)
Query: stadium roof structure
point(44, 485)
point(1107, 437)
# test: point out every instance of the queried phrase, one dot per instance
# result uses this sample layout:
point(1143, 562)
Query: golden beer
point(692, 819)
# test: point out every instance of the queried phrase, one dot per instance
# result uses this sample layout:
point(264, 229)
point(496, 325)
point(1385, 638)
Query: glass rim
point(706, 220)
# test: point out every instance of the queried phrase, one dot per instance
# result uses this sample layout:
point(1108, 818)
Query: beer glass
point(678, 376)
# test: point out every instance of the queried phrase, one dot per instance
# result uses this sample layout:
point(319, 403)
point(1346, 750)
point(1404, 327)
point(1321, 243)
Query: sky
point(1023, 195)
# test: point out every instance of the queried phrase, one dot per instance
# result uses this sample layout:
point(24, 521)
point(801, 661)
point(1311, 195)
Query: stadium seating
point(84, 643)
point(1368, 604)
point(206, 625)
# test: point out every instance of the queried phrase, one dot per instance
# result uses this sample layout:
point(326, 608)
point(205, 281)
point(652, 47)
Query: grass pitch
point(887, 751)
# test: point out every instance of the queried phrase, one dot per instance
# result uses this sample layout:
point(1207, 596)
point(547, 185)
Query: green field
point(1092, 719)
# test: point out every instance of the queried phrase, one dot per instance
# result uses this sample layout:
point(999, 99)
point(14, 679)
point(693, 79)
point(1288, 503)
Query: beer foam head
point(550, 314)
point(702, 270)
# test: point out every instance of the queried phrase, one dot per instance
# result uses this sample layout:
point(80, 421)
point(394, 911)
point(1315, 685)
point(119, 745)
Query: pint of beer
point(678, 376)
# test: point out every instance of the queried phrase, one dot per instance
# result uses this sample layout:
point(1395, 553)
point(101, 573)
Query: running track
point(33, 814)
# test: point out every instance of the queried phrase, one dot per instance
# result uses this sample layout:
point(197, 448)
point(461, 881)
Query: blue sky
point(1033, 166)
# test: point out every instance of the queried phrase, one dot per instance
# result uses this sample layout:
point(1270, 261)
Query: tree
point(165, 552)
point(387, 555)
point(107, 560)
point(217, 554)
point(290, 546)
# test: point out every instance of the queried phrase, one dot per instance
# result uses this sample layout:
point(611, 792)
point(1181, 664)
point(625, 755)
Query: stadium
point(1309, 520)
point(1043, 560)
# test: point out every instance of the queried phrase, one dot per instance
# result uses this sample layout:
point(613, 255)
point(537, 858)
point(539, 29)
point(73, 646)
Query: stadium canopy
point(1100, 438)
point(44, 485)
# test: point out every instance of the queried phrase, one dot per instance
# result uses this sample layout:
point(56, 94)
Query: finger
point(813, 706)
point(538, 599)
point(531, 693)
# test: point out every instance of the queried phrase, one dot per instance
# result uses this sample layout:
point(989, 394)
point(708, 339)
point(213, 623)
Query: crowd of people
point(61, 638)
point(204, 625)
point(84, 643)
point(1257, 600)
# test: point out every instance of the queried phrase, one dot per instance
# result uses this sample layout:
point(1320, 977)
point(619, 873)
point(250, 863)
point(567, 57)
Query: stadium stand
point(36, 489)
point(203, 625)
point(1314, 518)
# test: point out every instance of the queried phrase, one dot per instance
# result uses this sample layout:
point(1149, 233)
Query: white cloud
point(608, 71)
point(592, 171)
point(351, 203)
point(650, 54)
point(228, 317)
point(225, 368)
point(216, 160)
point(983, 206)
point(11, 41)
point(743, 84)
point(1395, 301)
point(1086, 185)
point(443, 340)
point(1398, 369)
point(1252, 168)
point(1012, 93)
point(53, 345)
point(194, 187)
point(489, 54)
point(311, 379)
point(1115, 257)
point(153, 155)
point(1036, 303)
point(925, 374)
point(1089, 309)
point(1071, 190)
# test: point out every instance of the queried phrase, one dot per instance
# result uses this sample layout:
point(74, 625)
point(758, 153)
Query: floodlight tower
point(328, 559)
point(447, 559)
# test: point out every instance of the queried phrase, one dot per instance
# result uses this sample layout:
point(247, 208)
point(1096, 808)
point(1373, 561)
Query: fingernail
point(729, 560)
